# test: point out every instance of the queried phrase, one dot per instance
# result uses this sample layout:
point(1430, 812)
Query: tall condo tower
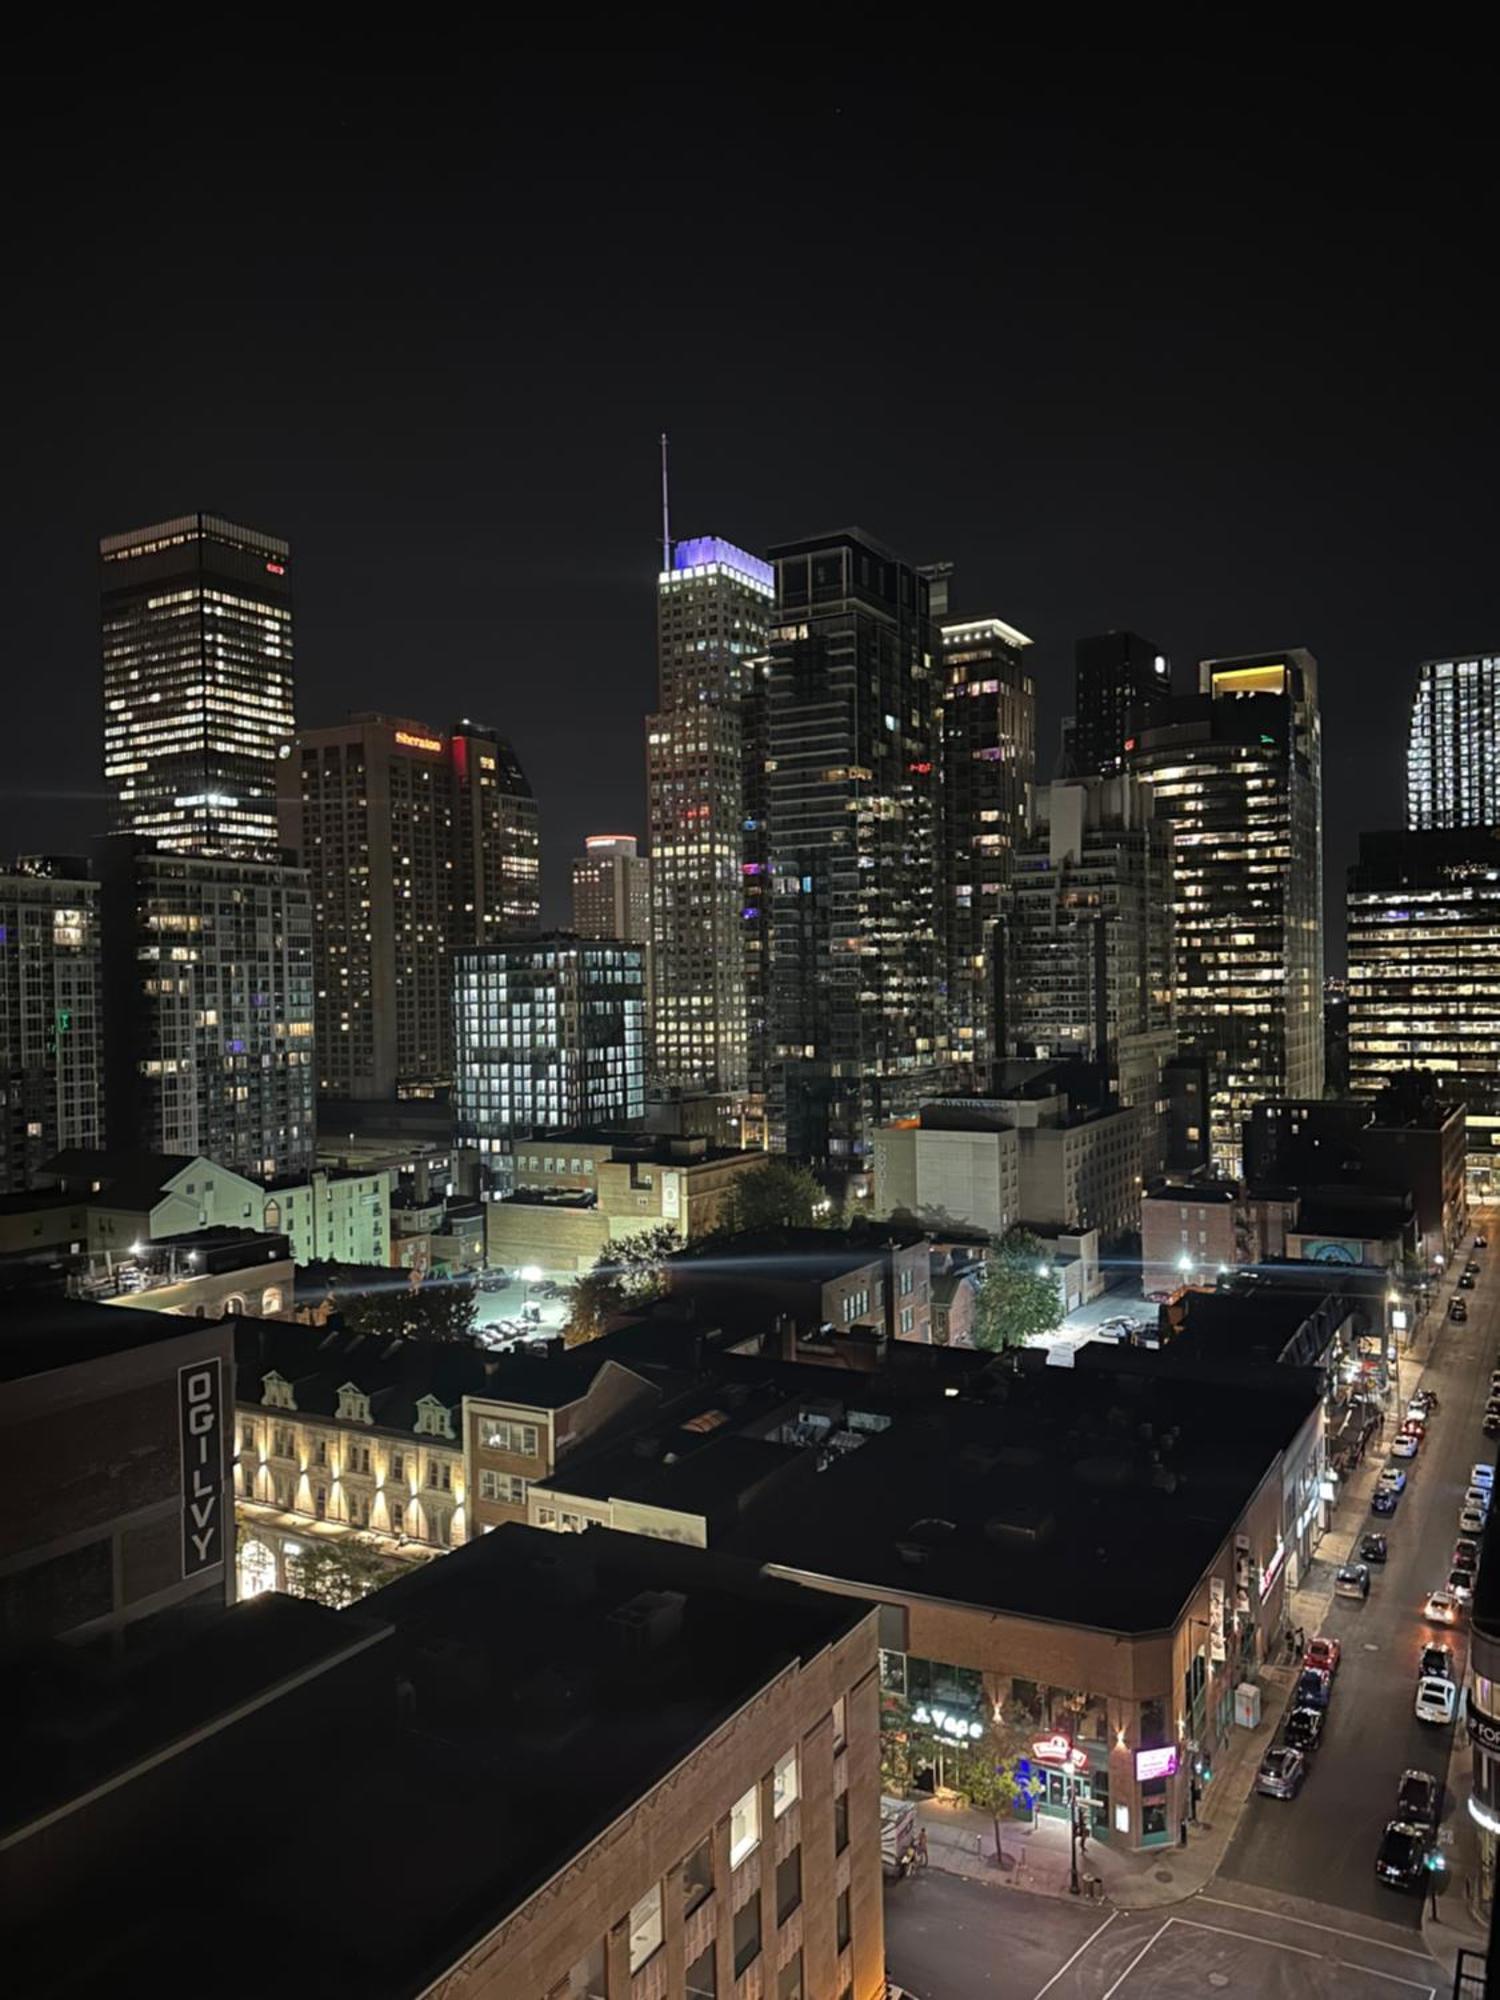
point(1453, 750)
point(713, 606)
point(196, 618)
point(1237, 769)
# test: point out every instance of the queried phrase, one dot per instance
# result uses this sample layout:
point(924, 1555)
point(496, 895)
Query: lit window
point(744, 1827)
point(784, 1784)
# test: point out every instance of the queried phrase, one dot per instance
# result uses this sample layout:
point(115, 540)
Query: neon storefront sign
point(1061, 1750)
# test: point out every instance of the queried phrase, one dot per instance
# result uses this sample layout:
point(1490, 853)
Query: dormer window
point(434, 1419)
point(276, 1392)
point(354, 1405)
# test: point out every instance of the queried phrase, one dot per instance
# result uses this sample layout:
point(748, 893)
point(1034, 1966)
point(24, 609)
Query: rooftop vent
point(648, 1622)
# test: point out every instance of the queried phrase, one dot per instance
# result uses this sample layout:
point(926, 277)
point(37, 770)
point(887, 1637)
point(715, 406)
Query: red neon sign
point(276, 569)
point(1059, 1750)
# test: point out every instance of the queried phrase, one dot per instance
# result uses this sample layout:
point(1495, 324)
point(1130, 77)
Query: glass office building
point(1453, 751)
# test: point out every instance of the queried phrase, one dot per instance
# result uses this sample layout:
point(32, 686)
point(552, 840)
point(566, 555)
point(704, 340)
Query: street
point(951, 1939)
point(1323, 1843)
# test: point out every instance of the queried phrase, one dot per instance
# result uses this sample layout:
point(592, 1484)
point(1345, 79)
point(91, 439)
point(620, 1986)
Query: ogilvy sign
point(200, 1411)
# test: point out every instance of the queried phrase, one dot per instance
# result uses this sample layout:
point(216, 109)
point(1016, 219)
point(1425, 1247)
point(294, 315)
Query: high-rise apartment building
point(550, 1035)
point(51, 1018)
point(612, 889)
point(209, 1007)
point(713, 604)
point(417, 842)
point(1453, 750)
point(1238, 771)
point(988, 765)
point(853, 698)
point(1086, 955)
point(1424, 976)
point(1118, 677)
point(197, 640)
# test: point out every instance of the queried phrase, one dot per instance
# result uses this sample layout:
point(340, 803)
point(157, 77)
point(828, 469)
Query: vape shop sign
point(200, 1412)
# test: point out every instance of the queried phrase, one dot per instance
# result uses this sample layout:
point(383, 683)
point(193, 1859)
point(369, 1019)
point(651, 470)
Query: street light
point(530, 1275)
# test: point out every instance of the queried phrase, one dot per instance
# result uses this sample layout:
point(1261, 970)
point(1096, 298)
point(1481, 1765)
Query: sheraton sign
point(200, 1411)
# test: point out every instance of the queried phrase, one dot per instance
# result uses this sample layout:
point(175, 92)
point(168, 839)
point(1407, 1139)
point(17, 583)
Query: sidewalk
point(1037, 1859)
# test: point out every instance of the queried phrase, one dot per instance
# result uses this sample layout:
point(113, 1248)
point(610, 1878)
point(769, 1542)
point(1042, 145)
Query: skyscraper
point(1118, 677)
point(197, 641)
point(51, 1018)
point(1085, 959)
point(209, 1015)
point(1424, 976)
point(713, 602)
point(1453, 751)
point(988, 766)
point(1238, 770)
point(416, 842)
point(853, 695)
point(612, 889)
point(550, 1035)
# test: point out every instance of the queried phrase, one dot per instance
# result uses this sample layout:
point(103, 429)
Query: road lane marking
point(1301, 1951)
point(1092, 1938)
point(1281, 1917)
point(1145, 1949)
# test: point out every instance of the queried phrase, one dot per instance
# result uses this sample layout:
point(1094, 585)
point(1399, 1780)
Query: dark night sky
point(1155, 342)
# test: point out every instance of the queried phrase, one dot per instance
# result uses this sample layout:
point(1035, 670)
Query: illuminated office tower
point(550, 1036)
point(51, 1017)
point(1453, 750)
point(713, 605)
point(988, 767)
point(853, 700)
point(197, 641)
point(417, 842)
point(1118, 677)
point(1237, 769)
point(612, 889)
point(1424, 976)
point(209, 1007)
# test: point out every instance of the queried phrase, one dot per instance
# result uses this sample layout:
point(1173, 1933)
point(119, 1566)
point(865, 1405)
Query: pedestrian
point(921, 1856)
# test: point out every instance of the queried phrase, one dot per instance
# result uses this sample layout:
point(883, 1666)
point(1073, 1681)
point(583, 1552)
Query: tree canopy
point(779, 1195)
point(438, 1309)
point(1013, 1300)
point(337, 1573)
point(626, 1273)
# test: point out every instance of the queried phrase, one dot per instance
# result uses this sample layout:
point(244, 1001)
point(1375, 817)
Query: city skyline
point(1147, 446)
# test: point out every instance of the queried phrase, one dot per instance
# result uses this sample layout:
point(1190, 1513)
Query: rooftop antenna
point(666, 514)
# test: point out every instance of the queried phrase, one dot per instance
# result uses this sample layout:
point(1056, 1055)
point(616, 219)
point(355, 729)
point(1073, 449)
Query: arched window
point(256, 1567)
point(235, 1304)
point(272, 1216)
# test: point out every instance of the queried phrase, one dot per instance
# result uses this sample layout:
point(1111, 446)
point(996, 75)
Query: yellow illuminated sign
point(418, 742)
point(1250, 680)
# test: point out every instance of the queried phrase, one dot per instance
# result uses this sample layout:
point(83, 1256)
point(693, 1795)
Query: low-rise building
point(403, 1447)
point(208, 1274)
point(655, 1774)
point(1191, 1231)
point(136, 1197)
point(115, 1504)
point(876, 1276)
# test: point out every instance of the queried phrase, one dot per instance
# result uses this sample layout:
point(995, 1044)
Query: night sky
point(1207, 352)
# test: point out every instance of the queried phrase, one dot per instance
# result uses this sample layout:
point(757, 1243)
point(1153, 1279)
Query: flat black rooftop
point(1092, 1497)
point(794, 1253)
point(41, 1332)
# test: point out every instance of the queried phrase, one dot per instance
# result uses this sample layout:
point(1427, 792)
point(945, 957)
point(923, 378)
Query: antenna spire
point(666, 512)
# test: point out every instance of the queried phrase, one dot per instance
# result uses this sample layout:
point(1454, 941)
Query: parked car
point(1313, 1689)
point(1406, 1445)
point(1401, 1858)
point(1441, 1608)
point(1419, 1799)
point(1373, 1548)
point(1457, 1310)
point(1480, 1243)
point(1491, 1424)
point(1471, 1269)
point(1466, 1552)
point(1304, 1729)
point(1461, 1585)
point(1392, 1478)
point(1384, 1501)
point(1415, 1421)
point(1428, 1398)
point(1436, 1700)
point(1352, 1580)
point(1438, 1660)
point(1466, 1282)
point(1323, 1653)
point(1282, 1770)
point(1482, 1475)
point(1477, 1496)
point(1471, 1520)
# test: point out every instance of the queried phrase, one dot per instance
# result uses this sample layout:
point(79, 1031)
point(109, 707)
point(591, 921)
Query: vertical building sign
point(1217, 1650)
point(200, 1410)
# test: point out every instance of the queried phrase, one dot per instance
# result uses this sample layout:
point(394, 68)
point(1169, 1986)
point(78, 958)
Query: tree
point(1013, 1300)
point(630, 1272)
point(778, 1195)
point(999, 1776)
point(439, 1309)
point(337, 1573)
point(593, 1301)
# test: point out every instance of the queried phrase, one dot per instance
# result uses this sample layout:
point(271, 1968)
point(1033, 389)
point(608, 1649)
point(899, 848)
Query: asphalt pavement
point(1322, 1844)
point(952, 1939)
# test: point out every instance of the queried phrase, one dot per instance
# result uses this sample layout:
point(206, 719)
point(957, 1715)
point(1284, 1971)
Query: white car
point(1477, 1496)
point(1482, 1475)
point(1436, 1700)
point(1470, 1520)
point(1405, 1446)
point(1441, 1608)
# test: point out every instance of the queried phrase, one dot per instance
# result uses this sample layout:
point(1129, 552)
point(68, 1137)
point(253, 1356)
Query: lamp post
point(1074, 1885)
point(530, 1275)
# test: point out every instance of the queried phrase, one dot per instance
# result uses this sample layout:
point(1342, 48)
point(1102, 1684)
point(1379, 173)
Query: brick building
point(875, 1276)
